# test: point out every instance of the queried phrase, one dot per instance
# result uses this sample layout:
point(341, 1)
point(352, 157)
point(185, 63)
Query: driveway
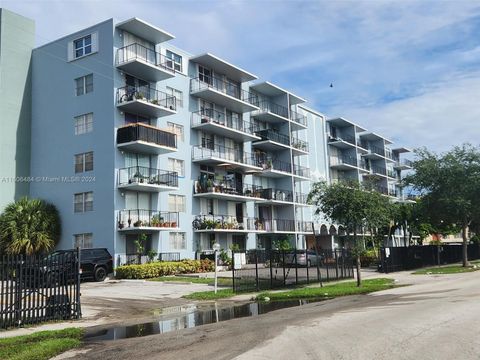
point(435, 318)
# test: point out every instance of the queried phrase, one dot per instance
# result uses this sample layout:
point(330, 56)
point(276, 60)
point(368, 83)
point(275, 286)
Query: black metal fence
point(268, 269)
point(412, 257)
point(35, 289)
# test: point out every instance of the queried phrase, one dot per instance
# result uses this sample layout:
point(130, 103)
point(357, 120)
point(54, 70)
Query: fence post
point(18, 289)
point(79, 307)
point(306, 263)
point(296, 267)
point(327, 267)
point(283, 267)
point(256, 270)
point(336, 263)
point(233, 271)
point(271, 269)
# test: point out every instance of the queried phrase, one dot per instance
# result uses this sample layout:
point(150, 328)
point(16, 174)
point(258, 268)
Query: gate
point(269, 269)
point(35, 289)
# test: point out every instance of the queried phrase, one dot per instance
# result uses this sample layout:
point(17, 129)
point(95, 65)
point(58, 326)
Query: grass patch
point(210, 295)
point(330, 291)
point(41, 345)
point(452, 269)
point(194, 280)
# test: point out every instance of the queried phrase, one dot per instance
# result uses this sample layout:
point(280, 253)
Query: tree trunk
point(465, 246)
point(359, 277)
point(405, 226)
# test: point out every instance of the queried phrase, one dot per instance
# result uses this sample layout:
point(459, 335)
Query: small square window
point(84, 85)
point(83, 46)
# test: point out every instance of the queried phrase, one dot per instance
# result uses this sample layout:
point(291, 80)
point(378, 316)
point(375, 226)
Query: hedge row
point(164, 268)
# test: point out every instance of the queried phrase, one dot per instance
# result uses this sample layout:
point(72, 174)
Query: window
point(82, 46)
point(174, 61)
point(178, 95)
point(176, 203)
point(177, 241)
point(83, 124)
point(83, 241)
point(84, 84)
point(84, 162)
point(83, 202)
point(176, 129)
point(205, 75)
point(176, 165)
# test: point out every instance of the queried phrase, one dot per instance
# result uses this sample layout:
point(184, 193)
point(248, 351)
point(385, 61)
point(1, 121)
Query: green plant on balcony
point(139, 96)
point(154, 102)
point(156, 222)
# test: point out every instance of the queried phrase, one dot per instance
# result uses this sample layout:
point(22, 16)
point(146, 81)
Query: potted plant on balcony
point(155, 102)
point(209, 185)
point(121, 225)
point(139, 96)
point(155, 221)
point(174, 224)
point(129, 222)
point(137, 223)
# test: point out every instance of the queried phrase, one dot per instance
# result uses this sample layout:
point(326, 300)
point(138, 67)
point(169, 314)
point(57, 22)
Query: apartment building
point(133, 138)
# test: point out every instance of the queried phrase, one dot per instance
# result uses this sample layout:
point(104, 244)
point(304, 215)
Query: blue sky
point(407, 69)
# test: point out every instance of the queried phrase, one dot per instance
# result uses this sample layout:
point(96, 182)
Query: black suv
point(95, 263)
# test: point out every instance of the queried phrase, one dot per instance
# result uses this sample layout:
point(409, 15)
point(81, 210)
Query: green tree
point(352, 206)
point(29, 226)
point(450, 183)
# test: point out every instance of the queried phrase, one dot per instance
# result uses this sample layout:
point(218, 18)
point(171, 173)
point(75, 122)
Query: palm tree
point(29, 226)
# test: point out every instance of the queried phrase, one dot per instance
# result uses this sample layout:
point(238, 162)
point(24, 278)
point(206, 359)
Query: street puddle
point(190, 316)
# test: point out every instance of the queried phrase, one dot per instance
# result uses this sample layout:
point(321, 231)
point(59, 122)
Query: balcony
point(271, 112)
point(299, 147)
point(384, 190)
point(374, 153)
point(344, 163)
point(403, 164)
point(227, 190)
point(272, 140)
point(305, 227)
point(277, 196)
point(275, 168)
point(140, 178)
point(299, 121)
point(301, 172)
point(222, 93)
point(216, 122)
point(225, 224)
point(224, 156)
point(342, 142)
point(143, 100)
point(146, 139)
point(144, 63)
point(146, 221)
point(301, 199)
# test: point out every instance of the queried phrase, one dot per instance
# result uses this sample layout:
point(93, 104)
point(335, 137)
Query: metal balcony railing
point(305, 226)
point(379, 170)
point(339, 160)
point(225, 87)
point(146, 175)
point(225, 153)
point(301, 198)
point(273, 135)
point(301, 171)
point(206, 116)
point(345, 138)
point(230, 188)
point(139, 52)
point(138, 218)
point(376, 150)
point(391, 173)
point(405, 162)
point(145, 93)
point(278, 195)
point(298, 118)
point(224, 222)
point(147, 133)
point(299, 144)
point(277, 165)
point(273, 108)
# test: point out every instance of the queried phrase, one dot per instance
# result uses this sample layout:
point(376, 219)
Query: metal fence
point(412, 257)
point(268, 269)
point(35, 289)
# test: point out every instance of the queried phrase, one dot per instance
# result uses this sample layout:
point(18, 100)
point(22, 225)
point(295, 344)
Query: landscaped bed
point(163, 268)
point(451, 269)
point(41, 345)
point(194, 280)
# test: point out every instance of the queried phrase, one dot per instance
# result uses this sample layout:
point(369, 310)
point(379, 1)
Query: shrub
point(163, 268)
point(368, 257)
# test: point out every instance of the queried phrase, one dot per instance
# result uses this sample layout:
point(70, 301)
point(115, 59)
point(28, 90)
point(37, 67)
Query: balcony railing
point(272, 135)
point(145, 93)
point(225, 87)
point(150, 134)
point(301, 171)
point(376, 150)
point(301, 198)
point(379, 170)
point(298, 118)
point(224, 222)
point(403, 162)
point(273, 108)
point(305, 226)
point(391, 173)
point(278, 195)
point(229, 188)
point(277, 165)
point(225, 153)
point(139, 218)
point(139, 52)
point(348, 139)
point(339, 160)
point(146, 175)
point(384, 190)
point(216, 117)
point(299, 144)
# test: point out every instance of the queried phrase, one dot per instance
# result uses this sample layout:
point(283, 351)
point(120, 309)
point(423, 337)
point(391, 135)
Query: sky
point(409, 70)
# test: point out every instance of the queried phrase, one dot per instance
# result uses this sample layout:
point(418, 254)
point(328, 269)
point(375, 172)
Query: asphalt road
point(436, 318)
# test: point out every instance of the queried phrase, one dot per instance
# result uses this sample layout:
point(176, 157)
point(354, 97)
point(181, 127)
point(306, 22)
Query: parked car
point(304, 258)
point(59, 267)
